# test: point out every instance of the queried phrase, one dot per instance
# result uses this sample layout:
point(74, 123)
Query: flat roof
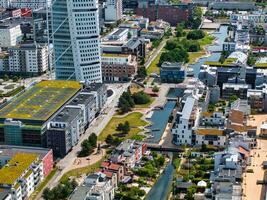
point(16, 167)
point(41, 101)
point(188, 108)
point(211, 131)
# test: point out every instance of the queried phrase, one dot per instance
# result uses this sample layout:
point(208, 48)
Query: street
point(96, 126)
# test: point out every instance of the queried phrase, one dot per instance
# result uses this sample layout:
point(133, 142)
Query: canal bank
point(162, 188)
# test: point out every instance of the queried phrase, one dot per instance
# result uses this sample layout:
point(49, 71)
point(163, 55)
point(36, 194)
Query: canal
point(163, 186)
point(159, 122)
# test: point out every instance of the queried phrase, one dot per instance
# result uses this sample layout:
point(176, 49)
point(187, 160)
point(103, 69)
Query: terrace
point(16, 167)
point(41, 101)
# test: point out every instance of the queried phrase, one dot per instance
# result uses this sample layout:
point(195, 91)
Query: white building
point(185, 121)
point(10, 35)
point(113, 10)
point(76, 40)
point(32, 4)
point(30, 58)
point(21, 175)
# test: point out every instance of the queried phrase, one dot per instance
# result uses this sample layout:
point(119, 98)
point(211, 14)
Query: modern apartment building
point(27, 59)
point(10, 35)
point(51, 114)
point(22, 169)
point(32, 4)
point(113, 10)
point(75, 26)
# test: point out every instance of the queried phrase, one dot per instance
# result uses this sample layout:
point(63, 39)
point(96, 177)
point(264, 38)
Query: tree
point(140, 98)
point(129, 35)
point(6, 77)
point(93, 140)
point(170, 45)
point(141, 72)
point(251, 60)
point(124, 128)
point(194, 20)
point(233, 98)
point(125, 102)
point(179, 31)
point(47, 194)
point(155, 89)
point(15, 79)
point(194, 46)
point(195, 35)
point(109, 139)
point(177, 55)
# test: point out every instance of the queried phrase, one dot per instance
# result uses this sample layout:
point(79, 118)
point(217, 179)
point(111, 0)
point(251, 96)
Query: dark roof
point(184, 185)
point(82, 98)
point(66, 115)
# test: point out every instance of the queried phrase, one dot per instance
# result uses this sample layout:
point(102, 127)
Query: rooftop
point(115, 55)
point(16, 167)
point(67, 115)
point(209, 131)
point(41, 101)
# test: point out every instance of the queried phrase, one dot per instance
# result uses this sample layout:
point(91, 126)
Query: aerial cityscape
point(133, 99)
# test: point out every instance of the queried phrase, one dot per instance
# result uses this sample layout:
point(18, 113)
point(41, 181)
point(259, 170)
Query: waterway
point(160, 118)
point(159, 121)
point(162, 187)
point(212, 49)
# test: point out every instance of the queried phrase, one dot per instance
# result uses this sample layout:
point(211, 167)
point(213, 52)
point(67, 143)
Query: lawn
point(43, 184)
point(151, 100)
point(83, 170)
point(193, 56)
point(207, 40)
point(153, 67)
point(133, 118)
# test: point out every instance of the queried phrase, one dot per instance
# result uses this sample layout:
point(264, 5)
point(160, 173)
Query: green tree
point(176, 55)
point(195, 35)
point(47, 194)
point(251, 60)
point(233, 98)
point(6, 77)
point(179, 31)
point(155, 89)
point(109, 139)
point(141, 72)
point(170, 44)
point(87, 148)
point(93, 140)
point(140, 98)
point(124, 128)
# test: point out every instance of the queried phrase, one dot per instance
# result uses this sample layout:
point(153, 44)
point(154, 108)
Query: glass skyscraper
point(75, 35)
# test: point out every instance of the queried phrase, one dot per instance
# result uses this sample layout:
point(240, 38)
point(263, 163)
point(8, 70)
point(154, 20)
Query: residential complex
point(22, 169)
point(10, 35)
point(76, 40)
point(31, 120)
point(113, 10)
point(32, 4)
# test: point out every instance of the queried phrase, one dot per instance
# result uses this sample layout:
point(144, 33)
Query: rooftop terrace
point(15, 167)
point(41, 101)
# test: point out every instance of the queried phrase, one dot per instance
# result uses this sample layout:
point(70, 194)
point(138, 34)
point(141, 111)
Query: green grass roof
point(15, 167)
point(261, 65)
point(41, 101)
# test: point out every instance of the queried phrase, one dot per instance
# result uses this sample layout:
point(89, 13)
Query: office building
point(76, 42)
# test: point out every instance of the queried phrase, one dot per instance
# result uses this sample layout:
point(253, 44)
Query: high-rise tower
point(75, 35)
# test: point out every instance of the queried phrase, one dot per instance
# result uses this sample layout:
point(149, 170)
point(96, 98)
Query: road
point(96, 126)
point(155, 53)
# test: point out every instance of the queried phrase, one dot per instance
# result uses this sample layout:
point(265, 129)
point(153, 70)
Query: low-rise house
point(95, 187)
point(128, 153)
point(114, 168)
point(152, 34)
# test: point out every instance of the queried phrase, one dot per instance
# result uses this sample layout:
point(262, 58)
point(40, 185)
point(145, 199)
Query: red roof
point(105, 164)
point(243, 151)
point(107, 173)
point(113, 166)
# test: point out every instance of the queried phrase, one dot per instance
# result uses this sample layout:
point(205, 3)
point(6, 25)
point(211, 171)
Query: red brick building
point(168, 13)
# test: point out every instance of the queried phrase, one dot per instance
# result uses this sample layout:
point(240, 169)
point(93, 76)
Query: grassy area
point(153, 67)
point(80, 171)
point(193, 56)
point(207, 40)
point(43, 184)
point(145, 105)
point(133, 118)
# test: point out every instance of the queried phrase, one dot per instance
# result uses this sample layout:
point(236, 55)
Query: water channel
point(162, 187)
